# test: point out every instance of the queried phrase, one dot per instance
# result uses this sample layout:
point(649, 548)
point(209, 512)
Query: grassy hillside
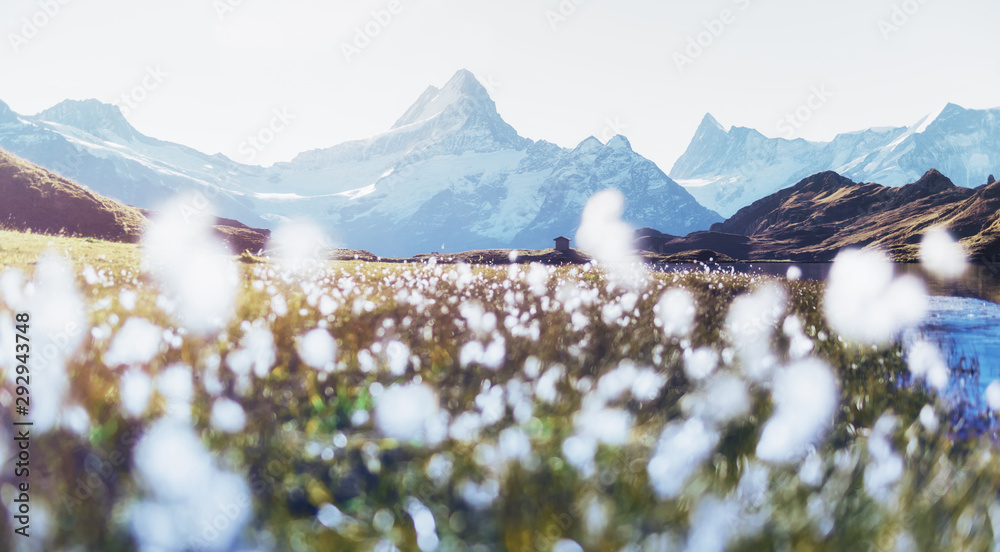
point(43, 202)
point(825, 213)
point(38, 200)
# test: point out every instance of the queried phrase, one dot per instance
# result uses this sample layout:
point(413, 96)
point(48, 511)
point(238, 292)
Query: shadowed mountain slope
point(822, 214)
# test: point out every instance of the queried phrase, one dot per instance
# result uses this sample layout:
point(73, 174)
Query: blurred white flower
point(886, 467)
point(136, 343)
point(866, 304)
point(926, 362)
point(681, 450)
point(700, 363)
point(191, 263)
point(712, 525)
point(256, 353)
point(298, 244)
point(187, 494)
point(750, 323)
point(942, 256)
point(675, 312)
point(403, 412)
point(805, 401)
point(318, 350)
point(928, 418)
point(228, 416)
point(136, 389)
point(604, 235)
point(993, 395)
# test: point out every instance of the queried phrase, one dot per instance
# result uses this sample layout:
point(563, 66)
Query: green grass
point(945, 500)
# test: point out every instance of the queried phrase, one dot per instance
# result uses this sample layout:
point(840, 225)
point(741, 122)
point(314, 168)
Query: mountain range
point(826, 212)
point(727, 170)
point(450, 175)
point(810, 221)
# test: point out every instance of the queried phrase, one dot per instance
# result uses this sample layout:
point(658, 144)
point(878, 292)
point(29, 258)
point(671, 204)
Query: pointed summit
point(463, 90)
point(91, 116)
point(933, 181)
point(709, 125)
point(588, 145)
point(459, 117)
point(620, 142)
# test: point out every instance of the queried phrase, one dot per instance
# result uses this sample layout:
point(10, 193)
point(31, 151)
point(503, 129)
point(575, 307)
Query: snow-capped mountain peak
point(710, 125)
point(451, 175)
point(729, 170)
point(463, 91)
point(588, 145)
point(620, 142)
point(91, 116)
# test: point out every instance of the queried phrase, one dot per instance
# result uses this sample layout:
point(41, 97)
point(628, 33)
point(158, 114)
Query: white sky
point(610, 61)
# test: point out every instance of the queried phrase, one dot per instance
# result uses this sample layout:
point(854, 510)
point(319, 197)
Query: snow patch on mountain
point(730, 169)
point(450, 175)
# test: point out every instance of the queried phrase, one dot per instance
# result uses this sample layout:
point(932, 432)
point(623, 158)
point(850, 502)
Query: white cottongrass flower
point(397, 355)
point(424, 525)
point(191, 263)
point(929, 419)
point(603, 234)
point(926, 362)
point(404, 412)
point(187, 494)
point(136, 343)
point(700, 363)
point(538, 279)
point(799, 344)
point(136, 389)
point(886, 467)
point(675, 312)
point(318, 350)
point(942, 256)
point(712, 525)
point(228, 416)
point(579, 451)
point(993, 395)
point(298, 244)
point(805, 399)
point(751, 323)
point(724, 397)
point(58, 326)
point(256, 353)
point(176, 385)
point(681, 450)
point(864, 303)
point(566, 545)
point(609, 426)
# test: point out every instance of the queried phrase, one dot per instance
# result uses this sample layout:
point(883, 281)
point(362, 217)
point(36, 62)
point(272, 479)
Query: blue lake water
point(964, 320)
point(968, 332)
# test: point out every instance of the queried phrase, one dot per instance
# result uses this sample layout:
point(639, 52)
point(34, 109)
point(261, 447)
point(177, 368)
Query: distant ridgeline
point(822, 214)
point(451, 175)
